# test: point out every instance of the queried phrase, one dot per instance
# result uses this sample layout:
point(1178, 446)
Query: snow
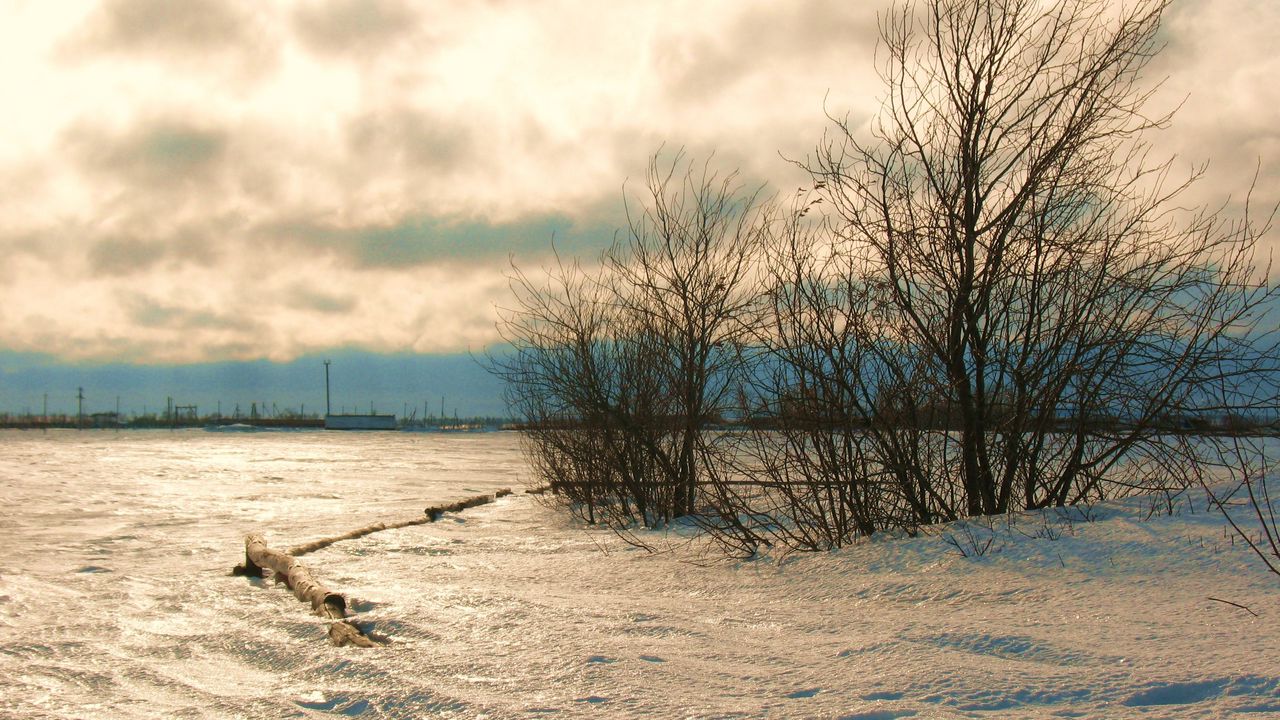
point(115, 599)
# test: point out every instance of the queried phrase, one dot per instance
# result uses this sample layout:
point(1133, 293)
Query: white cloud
point(227, 178)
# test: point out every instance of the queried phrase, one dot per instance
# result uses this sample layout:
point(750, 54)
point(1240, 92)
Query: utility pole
point(328, 410)
point(80, 408)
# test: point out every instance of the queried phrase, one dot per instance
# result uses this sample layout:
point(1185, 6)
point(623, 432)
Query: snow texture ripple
point(115, 600)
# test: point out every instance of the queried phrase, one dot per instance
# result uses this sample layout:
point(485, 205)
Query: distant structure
point(104, 420)
point(353, 422)
point(359, 422)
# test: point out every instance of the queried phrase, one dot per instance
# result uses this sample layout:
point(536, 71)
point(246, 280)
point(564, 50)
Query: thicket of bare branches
point(990, 301)
point(622, 372)
point(1240, 485)
point(1022, 313)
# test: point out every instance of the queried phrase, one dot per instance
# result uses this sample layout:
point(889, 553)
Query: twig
point(1242, 607)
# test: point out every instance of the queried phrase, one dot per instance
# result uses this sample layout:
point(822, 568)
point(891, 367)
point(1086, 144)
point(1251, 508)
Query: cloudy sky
point(195, 182)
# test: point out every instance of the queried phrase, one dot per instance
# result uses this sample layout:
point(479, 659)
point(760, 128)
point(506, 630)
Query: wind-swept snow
point(115, 600)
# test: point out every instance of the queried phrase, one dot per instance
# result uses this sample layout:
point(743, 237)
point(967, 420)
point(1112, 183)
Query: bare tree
point(1241, 490)
point(685, 272)
point(1035, 311)
point(621, 372)
point(991, 300)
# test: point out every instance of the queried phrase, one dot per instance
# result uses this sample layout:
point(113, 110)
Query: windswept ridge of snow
point(115, 602)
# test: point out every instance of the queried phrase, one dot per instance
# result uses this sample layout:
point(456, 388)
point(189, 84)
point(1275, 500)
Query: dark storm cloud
point(193, 32)
point(119, 255)
point(132, 25)
point(307, 299)
point(159, 155)
point(435, 241)
point(116, 257)
point(41, 244)
point(353, 26)
point(167, 181)
point(150, 312)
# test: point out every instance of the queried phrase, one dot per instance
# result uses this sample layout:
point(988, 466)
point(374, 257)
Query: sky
point(223, 185)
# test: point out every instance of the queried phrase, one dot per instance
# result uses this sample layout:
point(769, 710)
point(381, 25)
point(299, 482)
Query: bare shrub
point(1246, 502)
point(622, 371)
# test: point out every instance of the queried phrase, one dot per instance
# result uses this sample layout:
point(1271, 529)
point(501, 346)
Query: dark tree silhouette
point(621, 370)
point(1029, 302)
point(990, 299)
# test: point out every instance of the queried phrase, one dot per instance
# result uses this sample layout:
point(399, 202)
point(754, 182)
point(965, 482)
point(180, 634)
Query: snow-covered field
point(115, 600)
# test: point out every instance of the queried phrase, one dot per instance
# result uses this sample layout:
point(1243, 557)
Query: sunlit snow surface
point(115, 600)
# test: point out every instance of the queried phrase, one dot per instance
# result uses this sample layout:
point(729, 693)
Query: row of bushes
point(930, 330)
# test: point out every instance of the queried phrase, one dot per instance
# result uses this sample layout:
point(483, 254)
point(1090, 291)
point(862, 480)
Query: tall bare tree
point(622, 371)
point(1022, 262)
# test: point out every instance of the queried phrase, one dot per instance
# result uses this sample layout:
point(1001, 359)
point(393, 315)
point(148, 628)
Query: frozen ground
point(115, 602)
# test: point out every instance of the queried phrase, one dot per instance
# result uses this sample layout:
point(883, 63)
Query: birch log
point(306, 588)
point(429, 515)
point(298, 578)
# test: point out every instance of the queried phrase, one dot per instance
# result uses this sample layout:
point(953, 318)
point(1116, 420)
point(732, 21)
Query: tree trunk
point(305, 587)
point(298, 578)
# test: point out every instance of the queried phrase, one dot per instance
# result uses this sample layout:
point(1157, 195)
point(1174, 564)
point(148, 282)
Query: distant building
point(104, 420)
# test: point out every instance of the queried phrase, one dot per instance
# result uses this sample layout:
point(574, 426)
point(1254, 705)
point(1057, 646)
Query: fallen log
point(434, 512)
point(298, 578)
point(429, 515)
